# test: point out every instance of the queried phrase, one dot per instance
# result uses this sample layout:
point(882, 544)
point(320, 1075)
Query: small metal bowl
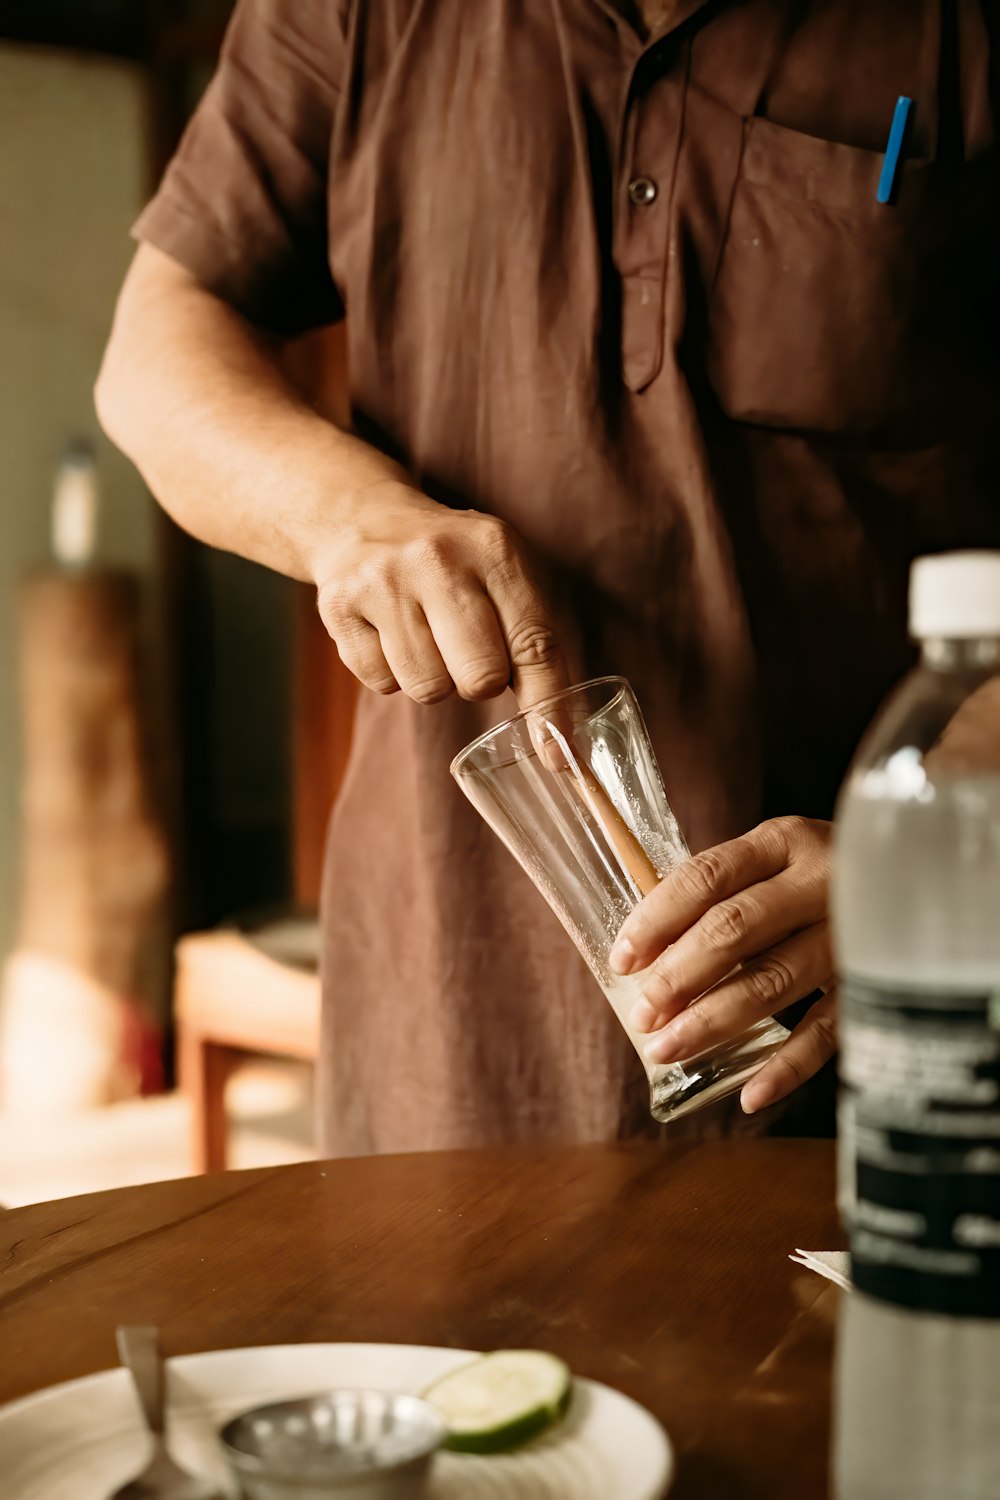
point(351, 1445)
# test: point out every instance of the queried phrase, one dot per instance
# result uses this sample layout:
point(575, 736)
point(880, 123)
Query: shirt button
point(642, 191)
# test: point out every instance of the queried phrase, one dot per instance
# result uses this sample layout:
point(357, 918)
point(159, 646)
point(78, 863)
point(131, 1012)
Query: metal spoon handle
point(139, 1351)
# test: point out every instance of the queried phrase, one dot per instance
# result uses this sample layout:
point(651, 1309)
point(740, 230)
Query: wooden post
point(95, 866)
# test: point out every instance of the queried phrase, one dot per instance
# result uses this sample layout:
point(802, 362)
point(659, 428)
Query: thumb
point(538, 675)
point(538, 667)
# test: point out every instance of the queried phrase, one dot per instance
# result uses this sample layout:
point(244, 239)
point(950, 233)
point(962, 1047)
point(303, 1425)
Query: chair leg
point(204, 1068)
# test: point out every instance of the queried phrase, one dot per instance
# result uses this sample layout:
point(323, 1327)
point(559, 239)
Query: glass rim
point(519, 718)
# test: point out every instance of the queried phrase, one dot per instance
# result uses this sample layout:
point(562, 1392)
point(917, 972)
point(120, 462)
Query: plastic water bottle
point(916, 906)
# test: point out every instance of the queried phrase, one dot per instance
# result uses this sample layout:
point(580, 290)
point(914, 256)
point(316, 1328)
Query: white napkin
point(835, 1265)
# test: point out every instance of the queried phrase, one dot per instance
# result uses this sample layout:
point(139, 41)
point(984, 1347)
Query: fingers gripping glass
point(573, 789)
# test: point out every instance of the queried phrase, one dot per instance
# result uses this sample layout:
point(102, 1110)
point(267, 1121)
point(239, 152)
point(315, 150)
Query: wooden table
point(661, 1272)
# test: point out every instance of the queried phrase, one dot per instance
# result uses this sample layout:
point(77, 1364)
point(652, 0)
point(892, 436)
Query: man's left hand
point(732, 936)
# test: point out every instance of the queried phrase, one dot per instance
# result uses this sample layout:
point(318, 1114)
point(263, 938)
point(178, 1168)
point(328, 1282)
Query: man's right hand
point(429, 601)
point(419, 598)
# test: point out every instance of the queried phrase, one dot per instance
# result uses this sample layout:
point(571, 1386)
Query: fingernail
point(665, 1047)
point(756, 1095)
point(642, 1016)
point(622, 957)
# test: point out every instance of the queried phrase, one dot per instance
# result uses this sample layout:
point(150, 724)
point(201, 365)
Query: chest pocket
point(831, 312)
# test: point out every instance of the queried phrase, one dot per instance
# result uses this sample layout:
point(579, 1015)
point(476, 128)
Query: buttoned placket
point(650, 141)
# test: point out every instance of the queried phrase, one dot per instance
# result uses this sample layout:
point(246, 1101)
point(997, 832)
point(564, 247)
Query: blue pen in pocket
point(894, 149)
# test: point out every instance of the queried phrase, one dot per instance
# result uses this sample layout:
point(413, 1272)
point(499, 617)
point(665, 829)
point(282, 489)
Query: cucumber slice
point(501, 1400)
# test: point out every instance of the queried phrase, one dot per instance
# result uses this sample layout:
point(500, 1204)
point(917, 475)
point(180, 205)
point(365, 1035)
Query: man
point(617, 278)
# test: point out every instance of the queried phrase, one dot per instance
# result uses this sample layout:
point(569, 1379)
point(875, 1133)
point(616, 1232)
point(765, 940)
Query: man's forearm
point(199, 402)
point(416, 595)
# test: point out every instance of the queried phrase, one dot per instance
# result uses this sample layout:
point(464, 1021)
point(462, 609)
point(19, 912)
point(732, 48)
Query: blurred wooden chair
point(254, 988)
point(237, 993)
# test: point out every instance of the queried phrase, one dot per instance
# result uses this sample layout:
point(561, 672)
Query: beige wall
point(72, 178)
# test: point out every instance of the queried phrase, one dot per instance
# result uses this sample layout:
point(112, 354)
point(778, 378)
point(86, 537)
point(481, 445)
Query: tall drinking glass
point(573, 789)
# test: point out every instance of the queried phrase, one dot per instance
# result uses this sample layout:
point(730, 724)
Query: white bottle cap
point(955, 596)
point(74, 508)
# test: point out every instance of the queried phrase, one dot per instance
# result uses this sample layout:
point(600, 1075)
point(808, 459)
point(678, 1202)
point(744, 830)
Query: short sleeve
point(243, 204)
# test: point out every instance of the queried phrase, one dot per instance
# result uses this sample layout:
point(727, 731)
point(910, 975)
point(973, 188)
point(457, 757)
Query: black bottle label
point(920, 1145)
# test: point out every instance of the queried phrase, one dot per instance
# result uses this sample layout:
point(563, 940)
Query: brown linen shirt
point(636, 295)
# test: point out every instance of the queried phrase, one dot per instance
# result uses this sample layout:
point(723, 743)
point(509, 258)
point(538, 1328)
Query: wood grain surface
point(663, 1272)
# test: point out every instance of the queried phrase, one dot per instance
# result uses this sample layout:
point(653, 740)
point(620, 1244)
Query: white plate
point(78, 1441)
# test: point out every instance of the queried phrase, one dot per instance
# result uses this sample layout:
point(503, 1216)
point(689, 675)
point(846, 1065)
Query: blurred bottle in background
point(75, 502)
point(916, 906)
